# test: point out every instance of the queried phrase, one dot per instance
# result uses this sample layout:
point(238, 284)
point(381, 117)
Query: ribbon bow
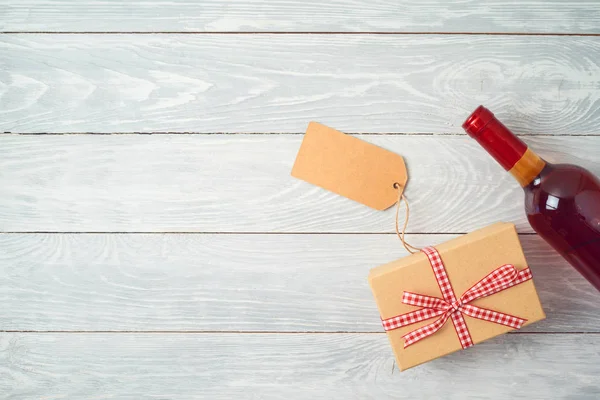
point(449, 306)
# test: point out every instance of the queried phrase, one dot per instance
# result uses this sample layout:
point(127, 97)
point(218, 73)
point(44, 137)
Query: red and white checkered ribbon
point(449, 306)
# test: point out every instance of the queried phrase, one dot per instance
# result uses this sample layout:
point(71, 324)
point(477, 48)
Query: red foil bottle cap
point(496, 138)
point(478, 120)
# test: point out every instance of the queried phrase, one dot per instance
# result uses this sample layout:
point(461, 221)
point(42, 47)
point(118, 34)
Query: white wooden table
point(154, 244)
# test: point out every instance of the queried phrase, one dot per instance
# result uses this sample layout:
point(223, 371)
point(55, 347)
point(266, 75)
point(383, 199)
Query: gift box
point(455, 295)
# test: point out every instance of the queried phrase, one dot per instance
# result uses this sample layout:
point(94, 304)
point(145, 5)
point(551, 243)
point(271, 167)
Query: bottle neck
point(508, 150)
point(527, 168)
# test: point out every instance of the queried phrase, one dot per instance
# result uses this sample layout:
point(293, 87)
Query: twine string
point(401, 198)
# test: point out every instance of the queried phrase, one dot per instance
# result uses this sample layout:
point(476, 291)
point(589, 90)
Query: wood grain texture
point(242, 183)
point(277, 83)
point(295, 366)
point(285, 283)
point(556, 16)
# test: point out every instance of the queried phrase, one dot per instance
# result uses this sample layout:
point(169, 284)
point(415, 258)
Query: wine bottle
point(562, 201)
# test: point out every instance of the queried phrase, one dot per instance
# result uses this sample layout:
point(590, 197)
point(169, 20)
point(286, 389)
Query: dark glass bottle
point(562, 201)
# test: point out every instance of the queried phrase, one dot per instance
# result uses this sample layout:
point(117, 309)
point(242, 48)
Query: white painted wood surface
point(263, 301)
point(242, 183)
point(277, 83)
point(554, 16)
point(262, 282)
point(291, 366)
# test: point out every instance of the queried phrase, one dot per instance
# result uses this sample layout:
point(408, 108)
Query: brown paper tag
point(350, 167)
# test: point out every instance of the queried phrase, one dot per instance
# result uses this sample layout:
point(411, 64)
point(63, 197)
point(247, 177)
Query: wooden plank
point(242, 183)
point(293, 366)
point(287, 283)
point(277, 83)
point(556, 16)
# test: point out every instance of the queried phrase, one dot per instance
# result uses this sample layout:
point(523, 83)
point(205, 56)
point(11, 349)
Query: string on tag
point(411, 249)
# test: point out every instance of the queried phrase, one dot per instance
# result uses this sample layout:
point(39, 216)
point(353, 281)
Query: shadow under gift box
point(467, 259)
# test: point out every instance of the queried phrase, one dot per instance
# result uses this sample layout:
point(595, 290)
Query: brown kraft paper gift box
point(467, 259)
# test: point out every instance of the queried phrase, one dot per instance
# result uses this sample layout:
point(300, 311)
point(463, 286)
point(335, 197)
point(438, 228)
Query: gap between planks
point(209, 332)
point(225, 233)
point(167, 133)
point(296, 33)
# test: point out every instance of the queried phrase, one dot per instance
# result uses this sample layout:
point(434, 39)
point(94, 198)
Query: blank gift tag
point(350, 167)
